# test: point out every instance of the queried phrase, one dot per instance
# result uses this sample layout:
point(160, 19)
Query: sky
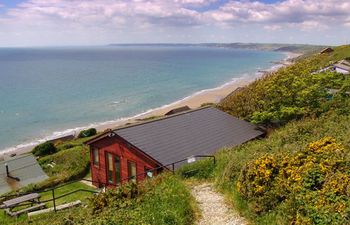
point(100, 22)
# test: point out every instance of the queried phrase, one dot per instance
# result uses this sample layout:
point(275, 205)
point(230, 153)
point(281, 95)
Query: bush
point(43, 149)
point(313, 184)
point(87, 133)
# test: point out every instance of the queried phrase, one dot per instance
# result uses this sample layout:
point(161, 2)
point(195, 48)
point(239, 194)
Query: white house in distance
point(342, 66)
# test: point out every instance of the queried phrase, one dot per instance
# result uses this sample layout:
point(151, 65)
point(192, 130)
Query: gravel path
point(213, 207)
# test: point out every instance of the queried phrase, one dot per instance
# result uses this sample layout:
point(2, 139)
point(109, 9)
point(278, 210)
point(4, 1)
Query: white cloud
point(289, 11)
point(312, 26)
point(74, 18)
point(273, 27)
point(177, 13)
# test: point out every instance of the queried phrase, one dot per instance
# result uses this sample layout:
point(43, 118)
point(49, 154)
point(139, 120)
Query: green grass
point(164, 199)
point(5, 219)
point(72, 143)
point(68, 163)
point(81, 195)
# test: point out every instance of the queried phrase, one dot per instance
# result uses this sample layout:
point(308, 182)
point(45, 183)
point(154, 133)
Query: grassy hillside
point(162, 200)
point(250, 174)
point(292, 93)
point(300, 173)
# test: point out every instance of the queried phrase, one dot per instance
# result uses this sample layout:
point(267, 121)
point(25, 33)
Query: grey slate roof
point(25, 167)
point(196, 132)
point(343, 66)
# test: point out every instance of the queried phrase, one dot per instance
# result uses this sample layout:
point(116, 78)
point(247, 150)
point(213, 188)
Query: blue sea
point(47, 92)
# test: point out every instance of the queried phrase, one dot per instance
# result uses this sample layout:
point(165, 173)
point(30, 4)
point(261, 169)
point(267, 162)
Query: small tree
point(43, 149)
point(87, 133)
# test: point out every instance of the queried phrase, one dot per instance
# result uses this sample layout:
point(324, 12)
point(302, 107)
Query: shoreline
point(213, 95)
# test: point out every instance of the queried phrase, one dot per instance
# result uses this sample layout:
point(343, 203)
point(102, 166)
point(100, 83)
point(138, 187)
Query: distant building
point(177, 110)
point(327, 50)
point(238, 89)
point(131, 152)
point(342, 66)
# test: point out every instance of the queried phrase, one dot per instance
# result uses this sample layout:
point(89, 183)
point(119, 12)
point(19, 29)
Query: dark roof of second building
point(24, 167)
point(196, 132)
point(326, 50)
point(177, 110)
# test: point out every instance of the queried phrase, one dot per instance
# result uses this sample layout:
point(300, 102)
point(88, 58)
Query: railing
point(54, 197)
point(171, 165)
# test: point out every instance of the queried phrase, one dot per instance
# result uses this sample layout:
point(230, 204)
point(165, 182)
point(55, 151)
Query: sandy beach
point(194, 101)
point(213, 95)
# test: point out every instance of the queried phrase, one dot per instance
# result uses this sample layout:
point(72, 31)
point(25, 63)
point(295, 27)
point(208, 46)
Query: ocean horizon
point(51, 92)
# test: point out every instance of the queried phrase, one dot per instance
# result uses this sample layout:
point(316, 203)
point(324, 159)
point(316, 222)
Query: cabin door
point(113, 168)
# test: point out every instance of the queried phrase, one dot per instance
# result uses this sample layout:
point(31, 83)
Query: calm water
point(43, 90)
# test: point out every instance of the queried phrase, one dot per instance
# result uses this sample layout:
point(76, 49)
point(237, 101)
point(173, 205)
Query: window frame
point(114, 169)
point(107, 168)
point(119, 169)
point(129, 162)
point(97, 165)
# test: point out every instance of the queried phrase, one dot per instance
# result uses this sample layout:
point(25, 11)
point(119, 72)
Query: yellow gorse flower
point(318, 177)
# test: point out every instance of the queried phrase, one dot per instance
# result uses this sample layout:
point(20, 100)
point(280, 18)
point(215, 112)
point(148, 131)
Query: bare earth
point(213, 207)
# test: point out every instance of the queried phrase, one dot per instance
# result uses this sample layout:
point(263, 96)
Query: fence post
point(53, 199)
point(173, 165)
point(214, 160)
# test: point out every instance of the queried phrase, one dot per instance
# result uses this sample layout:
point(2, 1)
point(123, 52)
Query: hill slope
point(299, 174)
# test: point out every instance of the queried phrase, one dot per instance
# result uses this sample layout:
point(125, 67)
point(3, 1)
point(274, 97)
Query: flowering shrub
point(312, 184)
point(293, 92)
point(121, 197)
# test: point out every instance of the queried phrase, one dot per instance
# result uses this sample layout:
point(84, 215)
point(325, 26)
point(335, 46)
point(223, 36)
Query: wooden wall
point(125, 151)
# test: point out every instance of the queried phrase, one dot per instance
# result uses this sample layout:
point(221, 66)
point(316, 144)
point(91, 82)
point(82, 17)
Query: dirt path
point(213, 207)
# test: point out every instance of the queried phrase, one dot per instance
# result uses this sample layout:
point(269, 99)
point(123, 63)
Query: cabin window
point(109, 159)
point(113, 168)
point(117, 169)
point(95, 157)
point(132, 171)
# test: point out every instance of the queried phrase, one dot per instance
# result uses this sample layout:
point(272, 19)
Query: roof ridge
point(16, 157)
point(162, 118)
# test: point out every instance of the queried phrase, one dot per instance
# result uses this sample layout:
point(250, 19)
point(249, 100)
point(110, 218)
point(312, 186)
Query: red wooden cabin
point(127, 153)
point(115, 161)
